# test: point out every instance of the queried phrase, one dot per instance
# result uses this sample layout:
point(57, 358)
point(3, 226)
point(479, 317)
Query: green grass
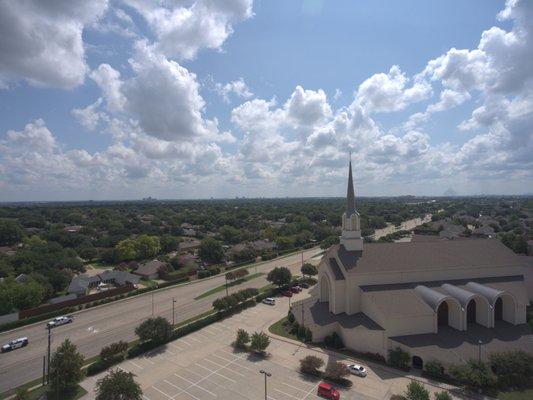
point(148, 282)
point(196, 317)
point(223, 287)
point(525, 394)
point(281, 328)
point(38, 392)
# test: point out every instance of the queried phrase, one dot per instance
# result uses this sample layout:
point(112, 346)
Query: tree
point(336, 370)
point(211, 250)
point(280, 276)
point(443, 396)
point(169, 243)
point(513, 368)
point(311, 365)
point(126, 249)
point(221, 304)
point(156, 329)
point(118, 385)
point(241, 273)
point(328, 242)
point(416, 391)
point(309, 269)
point(114, 352)
point(10, 232)
point(259, 342)
point(65, 367)
point(243, 338)
point(399, 358)
point(474, 375)
point(147, 246)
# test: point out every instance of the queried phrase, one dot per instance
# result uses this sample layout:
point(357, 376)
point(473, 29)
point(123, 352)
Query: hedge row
point(208, 272)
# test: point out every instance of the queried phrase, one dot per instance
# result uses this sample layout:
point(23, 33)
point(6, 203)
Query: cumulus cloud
point(182, 29)
point(90, 116)
point(41, 41)
point(239, 88)
point(391, 91)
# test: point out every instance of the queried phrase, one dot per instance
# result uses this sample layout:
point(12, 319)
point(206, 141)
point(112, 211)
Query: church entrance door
point(471, 312)
point(498, 310)
point(442, 314)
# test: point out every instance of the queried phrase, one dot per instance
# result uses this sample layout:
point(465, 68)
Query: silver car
point(357, 369)
point(58, 321)
point(15, 344)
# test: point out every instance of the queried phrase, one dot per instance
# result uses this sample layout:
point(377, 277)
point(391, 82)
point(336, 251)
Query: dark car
point(305, 285)
point(287, 293)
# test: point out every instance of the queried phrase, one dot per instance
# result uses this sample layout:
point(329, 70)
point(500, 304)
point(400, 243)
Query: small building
point(150, 269)
point(81, 284)
point(188, 245)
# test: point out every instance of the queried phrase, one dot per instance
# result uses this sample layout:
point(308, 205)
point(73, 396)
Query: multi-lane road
point(97, 327)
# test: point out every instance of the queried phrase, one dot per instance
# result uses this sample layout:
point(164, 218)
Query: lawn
point(223, 287)
point(282, 328)
point(524, 394)
point(37, 393)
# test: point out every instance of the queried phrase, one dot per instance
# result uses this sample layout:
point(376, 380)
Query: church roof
point(334, 266)
point(350, 204)
point(472, 253)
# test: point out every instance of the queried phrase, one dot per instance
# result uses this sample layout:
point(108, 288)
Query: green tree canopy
point(10, 232)
point(65, 367)
point(118, 385)
point(279, 276)
point(259, 342)
point(309, 269)
point(211, 250)
point(156, 329)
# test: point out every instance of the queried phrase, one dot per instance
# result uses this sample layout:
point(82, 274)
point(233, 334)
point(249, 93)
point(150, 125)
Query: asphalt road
point(97, 327)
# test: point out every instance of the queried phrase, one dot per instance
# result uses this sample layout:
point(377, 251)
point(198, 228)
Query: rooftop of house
point(150, 267)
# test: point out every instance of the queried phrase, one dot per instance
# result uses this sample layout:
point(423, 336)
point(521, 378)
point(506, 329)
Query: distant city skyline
point(126, 99)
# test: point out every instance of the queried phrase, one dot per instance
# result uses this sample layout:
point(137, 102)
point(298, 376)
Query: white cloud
point(35, 137)
point(307, 107)
point(390, 92)
point(41, 41)
point(108, 80)
point(238, 87)
point(89, 117)
point(183, 29)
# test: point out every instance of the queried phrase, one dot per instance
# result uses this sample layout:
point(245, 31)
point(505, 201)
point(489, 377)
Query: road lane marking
point(196, 385)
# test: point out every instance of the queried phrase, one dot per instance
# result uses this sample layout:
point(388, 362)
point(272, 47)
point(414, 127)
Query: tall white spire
point(351, 225)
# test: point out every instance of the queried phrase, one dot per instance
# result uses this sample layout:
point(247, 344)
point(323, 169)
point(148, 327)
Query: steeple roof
point(350, 205)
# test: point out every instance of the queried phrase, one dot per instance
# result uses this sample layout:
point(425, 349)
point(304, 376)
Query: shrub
point(157, 330)
point(290, 317)
point(311, 365)
point(97, 367)
point(259, 342)
point(114, 353)
point(416, 391)
point(435, 369)
point(336, 371)
point(243, 338)
point(443, 396)
point(474, 375)
point(513, 368)
point(399, 358)
point(308, 335)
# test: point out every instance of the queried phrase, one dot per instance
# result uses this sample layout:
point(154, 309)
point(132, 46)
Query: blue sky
point(180, 99)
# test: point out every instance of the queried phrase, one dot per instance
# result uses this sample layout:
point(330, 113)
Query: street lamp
point(266, 374)
point(479, 343)
point(173, 302)
point(48, 360)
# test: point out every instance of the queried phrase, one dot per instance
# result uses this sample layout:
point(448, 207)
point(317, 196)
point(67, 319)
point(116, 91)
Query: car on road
point(270, 301)
point(58, 321)
point(327, 391)
point(287, 293)
point(357, 369)
point(15, 344)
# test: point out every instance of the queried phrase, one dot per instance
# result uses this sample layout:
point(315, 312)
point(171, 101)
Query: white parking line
point(196, 385)
point(238, 365)
point(202, 335)
point(146, 397)
point(200, 375)
point(180, 389)
point(184, 342)
point(176, 346)
point(150, 361)
point(135, 364)
point(163, 393)
point(193, 338)
point(294, 387)
point(216, 373)
point(221, 366)
point(224, 366)
point(286, 394)
point(310, 392)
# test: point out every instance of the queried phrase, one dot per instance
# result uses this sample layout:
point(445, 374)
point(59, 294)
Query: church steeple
point(351, 225)
point(350, 205)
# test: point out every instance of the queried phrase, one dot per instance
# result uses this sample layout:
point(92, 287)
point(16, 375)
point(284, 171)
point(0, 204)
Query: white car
point(15, 344)
point(270, 301)
point(357, 369)
point(58, 321)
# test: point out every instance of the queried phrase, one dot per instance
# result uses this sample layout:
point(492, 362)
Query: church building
point(439, 299)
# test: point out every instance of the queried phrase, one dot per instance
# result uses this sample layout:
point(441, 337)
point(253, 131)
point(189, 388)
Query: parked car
point(15, 344)
point(287, 293)
point(270, 301)
point(357, 369)
point(58, 321)
point(327, 391)
point(296, 289)
point(305, 285)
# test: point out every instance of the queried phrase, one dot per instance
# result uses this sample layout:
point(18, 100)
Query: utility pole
point(152, 304)
point(266, 374)
point(44, 370)
point(226, 277)
point(48, 359)
point(479, 343)
point(173, 302)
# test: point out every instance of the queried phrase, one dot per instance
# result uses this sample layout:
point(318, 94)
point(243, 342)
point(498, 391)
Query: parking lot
point(204, 365)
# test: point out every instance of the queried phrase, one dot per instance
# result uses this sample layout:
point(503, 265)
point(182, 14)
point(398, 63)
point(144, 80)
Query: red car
point(296, 289)
point(287, 293)
point(327, 391)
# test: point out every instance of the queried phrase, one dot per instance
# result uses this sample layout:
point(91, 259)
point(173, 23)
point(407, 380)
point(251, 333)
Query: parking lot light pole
point(48, 358)
point(173, 302)
point(266, 374)
point(479, 343)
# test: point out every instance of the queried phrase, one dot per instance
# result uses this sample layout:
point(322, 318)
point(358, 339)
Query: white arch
point(455, 313)
point(508, 308)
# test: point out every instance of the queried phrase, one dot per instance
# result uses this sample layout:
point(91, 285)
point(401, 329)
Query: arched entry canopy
point(447, 308)
point(325, 289)
point(476, 307)
point(503, 304)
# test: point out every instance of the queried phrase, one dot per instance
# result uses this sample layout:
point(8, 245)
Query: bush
point(259, 342)
point(334, 340)
point(308, 335)
point(443, 396)
point(97, 367)
point(290, 317)
point(157, 330)
point(435, 369)
point(474, 375)
point(311, 365)
point(114, 353)
point(243, 338)
point(399, 358)
point(336, 371)
point(416, 391)
point(512, 368)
